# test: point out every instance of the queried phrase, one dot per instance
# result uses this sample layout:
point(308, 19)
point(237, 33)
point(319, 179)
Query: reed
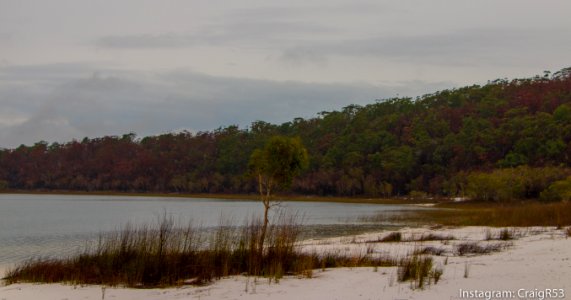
point(523, 214)
point(505, 234)
point(163, 254)
point(419, 269)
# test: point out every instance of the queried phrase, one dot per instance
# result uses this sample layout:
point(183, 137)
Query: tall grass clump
point(392, 237)
point(504, 235)
point(165, 255)
point(419, 269)
point(472, 248)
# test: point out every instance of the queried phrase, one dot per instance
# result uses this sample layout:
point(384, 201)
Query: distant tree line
point(451, 143)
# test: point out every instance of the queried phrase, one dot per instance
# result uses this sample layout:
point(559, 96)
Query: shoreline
point(251, 197)
point(538, 258)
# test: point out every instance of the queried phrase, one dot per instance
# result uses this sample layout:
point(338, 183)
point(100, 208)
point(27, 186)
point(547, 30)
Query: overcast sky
point(76, 68)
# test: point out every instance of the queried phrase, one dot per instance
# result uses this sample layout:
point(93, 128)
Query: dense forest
point(506, 139)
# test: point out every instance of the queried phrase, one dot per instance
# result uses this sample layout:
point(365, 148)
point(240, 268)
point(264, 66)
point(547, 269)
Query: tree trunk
point(266, 201)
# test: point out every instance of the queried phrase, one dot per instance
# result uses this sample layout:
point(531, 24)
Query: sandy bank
point(538, 259)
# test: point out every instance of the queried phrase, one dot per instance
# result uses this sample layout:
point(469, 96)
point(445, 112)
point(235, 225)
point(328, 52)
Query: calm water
point(58, 225)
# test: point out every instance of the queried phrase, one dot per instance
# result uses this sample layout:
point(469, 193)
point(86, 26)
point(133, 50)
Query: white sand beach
point(537, 260)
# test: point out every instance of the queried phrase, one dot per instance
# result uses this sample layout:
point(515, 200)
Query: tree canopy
point(391, 147)
point(281, 159)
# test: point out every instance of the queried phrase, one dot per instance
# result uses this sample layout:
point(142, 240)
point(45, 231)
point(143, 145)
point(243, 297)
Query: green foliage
point(512, 183)
point(559, 190)
point(484, 186)
point(281, 159)
point(3, 185)
point(513, 160)
point(417, 195)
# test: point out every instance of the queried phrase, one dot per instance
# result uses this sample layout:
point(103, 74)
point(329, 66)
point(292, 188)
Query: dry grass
point(418, 269)
point(433, 237)
point(477, 249)
point(429, 250)
point(466, 270)
point(505, 234)
point(391, 237)
point(523, 214)
point(164, 255)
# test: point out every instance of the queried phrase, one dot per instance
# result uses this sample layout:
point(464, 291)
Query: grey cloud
point(145, 41)
point(43, 73)
point(302, 56)
point(469, 47)
point(313, 10)
point(5, 36)
point(155, 103)
point(245, 32)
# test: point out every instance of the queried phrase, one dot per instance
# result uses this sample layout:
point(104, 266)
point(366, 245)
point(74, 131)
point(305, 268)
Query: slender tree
point(275, 166)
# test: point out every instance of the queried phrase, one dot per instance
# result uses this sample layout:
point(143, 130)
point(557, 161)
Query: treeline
point(442, 144)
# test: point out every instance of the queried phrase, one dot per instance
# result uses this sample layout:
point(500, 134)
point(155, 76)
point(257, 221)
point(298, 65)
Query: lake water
point(58, 225)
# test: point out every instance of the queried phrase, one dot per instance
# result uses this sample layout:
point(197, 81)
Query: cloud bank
point(70, 69)
point(64, 102)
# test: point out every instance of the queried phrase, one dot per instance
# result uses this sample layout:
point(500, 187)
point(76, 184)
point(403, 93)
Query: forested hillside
point(443, 144)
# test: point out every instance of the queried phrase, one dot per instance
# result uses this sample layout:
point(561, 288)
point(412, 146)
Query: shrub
point(513, 183)
point(483, 186)
point(559, 190)
point(417, 195)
